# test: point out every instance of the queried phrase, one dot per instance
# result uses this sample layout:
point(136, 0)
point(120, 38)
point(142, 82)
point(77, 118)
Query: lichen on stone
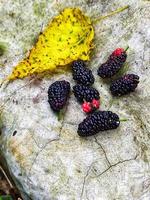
point(2, 48)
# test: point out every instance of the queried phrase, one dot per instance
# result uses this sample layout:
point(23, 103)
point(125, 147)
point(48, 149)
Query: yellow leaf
point(67, 37)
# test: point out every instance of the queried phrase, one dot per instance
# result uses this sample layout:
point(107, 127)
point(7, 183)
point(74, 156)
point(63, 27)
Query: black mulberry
point(81, 74)
point(58, 94)
point(124, 85)
point(85, 93)
point(98, 121)
point(113, 64)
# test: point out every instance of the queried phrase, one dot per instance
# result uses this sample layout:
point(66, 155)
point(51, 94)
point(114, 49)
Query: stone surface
point(46, 157)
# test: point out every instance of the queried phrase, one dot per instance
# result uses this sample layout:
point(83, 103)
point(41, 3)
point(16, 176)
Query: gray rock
point(46, 157)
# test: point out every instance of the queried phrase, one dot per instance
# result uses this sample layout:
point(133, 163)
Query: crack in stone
point(87, 196)
point(113, 165)
point(35, 141)
point(84, 180)
point(13, 93)
point(143, 55)
point(41, 147)
point(37, 154)
point(106, 157)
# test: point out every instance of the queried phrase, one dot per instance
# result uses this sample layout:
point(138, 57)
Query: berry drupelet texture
point(81, 74)
point(95, 104)
point(118, 51)
point(86, 107)
point(58, 94)
point(98, 121)
point(85, 93)
point(113, 64)
point(124, 85)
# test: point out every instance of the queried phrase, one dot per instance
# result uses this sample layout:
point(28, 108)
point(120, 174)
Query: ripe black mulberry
point(98, 121)
point(58, 94)
point(81, 74)
point(113, 64)
point(124, 85)
point(85, 93)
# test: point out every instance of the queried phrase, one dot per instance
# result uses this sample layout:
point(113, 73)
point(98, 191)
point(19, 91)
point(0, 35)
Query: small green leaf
point(124, 69)
point(6, 197)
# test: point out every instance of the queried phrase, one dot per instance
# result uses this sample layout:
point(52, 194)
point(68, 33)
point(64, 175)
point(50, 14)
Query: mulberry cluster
point(98, 121)
point(89, 97)
point(113, 64)
point(58, 94)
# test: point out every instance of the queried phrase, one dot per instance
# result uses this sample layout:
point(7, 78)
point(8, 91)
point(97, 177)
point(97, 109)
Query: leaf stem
point(127, 48)
point(60, 114)
point(110, 14)
point(123, 120)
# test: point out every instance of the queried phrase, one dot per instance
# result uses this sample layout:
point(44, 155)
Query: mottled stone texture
point(45, 156)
